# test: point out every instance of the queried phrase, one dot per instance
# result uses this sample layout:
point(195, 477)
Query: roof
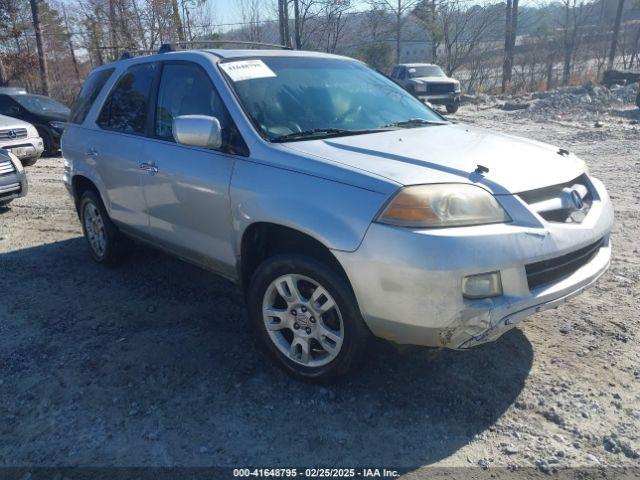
point(229, 53)
point(244, 53)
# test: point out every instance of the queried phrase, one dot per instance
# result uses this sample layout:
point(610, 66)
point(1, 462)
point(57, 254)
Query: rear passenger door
point(187, 189)
point(115, 148)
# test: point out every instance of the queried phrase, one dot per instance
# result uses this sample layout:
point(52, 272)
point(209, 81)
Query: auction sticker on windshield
point(247, 70)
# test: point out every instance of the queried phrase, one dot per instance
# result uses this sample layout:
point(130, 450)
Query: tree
point(42, 59)
point(296, 16)
point(510, 35)
point(427, 13)
point(616, 33)
point(399, 9)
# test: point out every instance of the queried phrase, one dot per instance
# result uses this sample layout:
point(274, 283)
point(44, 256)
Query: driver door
point(187, 188)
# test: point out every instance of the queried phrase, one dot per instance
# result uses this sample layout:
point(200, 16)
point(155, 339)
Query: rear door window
point(88, 94)
point(126, 108)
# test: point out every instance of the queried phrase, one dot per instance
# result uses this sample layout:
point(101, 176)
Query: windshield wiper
point(324, 133)
point(414, 122)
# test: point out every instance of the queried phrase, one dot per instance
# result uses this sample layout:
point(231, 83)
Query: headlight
point(32, 132)
point(443, 205)
point(420, 87)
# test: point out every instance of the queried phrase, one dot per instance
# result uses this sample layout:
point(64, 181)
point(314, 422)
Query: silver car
point(20, 138)
point(13, 178)
point(341, 204)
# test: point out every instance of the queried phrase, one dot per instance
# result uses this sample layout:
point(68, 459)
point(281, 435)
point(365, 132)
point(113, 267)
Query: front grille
point(6, 167)
point(8, 190)
point(555, 269)
point(554, 203)
point(439, 88)
point(13, 133)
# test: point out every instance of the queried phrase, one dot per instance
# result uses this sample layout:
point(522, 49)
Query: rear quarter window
point(88, 94)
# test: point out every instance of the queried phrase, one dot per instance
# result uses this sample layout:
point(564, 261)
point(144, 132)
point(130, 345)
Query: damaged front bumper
point(408, 283)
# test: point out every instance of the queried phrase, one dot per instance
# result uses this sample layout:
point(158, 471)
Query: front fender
point(335, 214)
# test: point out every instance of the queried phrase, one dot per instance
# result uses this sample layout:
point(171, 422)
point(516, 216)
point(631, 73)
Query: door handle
point(92, 152)
point(147, 167)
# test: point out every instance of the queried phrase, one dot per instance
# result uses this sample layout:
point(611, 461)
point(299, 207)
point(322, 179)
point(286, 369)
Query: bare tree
point(333, 22)
point(510, 35)
point(42, 58)
point(296, 19)
point(250, 11)
point(399, 9)
point(465, 32)
point(616, 32)
point(426, 11)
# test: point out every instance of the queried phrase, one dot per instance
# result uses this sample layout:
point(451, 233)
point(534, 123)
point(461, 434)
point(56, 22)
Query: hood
point(52, 116)
point(450, 153)
point(10, 122)
point(434, 79)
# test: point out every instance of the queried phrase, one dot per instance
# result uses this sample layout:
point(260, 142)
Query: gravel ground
point(152, 363)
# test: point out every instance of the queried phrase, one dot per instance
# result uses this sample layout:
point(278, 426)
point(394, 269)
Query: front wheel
point(452, 108)
point(29, 162)
point(307, 317)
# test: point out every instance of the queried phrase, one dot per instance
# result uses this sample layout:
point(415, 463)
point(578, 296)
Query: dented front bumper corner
point(408, 284)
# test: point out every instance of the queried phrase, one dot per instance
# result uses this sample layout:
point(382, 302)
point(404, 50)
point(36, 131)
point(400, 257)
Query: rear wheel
point(307, 317)
point(106, 243)
point(452, 108)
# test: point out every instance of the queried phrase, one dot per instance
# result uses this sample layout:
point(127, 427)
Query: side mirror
point(197, 131)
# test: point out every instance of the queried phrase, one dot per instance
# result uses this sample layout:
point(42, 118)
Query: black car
point(44, 113)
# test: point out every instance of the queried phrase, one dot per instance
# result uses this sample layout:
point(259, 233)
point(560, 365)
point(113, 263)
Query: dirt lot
point(152, 364)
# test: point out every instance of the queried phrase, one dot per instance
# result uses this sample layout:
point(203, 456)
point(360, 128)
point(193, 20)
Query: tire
point(452, 108)
point(47, 142)
point(29, 162)
point(336, 339)
point(106, 244)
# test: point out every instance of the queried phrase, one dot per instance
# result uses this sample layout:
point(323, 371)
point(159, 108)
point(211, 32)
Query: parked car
point(21, 138)
point(45, 113)
point(620, 77)
point(13, 178)
point(429, 83)
point(341, 204)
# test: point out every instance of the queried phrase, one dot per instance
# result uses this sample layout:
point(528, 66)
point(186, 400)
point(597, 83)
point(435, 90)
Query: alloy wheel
point(303, 320)
point(95, 229)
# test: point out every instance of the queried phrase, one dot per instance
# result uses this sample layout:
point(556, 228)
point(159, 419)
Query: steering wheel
point(356, 109)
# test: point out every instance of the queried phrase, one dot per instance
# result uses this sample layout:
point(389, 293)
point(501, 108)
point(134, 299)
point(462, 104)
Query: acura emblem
point(576, 199)
point(12, 134)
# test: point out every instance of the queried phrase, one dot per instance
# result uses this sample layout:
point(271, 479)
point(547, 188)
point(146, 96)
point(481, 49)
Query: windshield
point(41, 104)
point(426, 71)
point(287, 95)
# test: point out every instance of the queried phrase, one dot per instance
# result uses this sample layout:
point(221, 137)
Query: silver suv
point(341, 204)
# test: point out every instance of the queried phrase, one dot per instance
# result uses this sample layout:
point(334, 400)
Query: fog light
point(482, 285)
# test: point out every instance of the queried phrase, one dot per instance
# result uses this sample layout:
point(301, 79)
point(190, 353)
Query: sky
point(227, 11)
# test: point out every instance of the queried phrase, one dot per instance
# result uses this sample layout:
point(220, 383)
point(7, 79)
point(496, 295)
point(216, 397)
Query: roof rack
point(186, 45)
point(130, 54)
